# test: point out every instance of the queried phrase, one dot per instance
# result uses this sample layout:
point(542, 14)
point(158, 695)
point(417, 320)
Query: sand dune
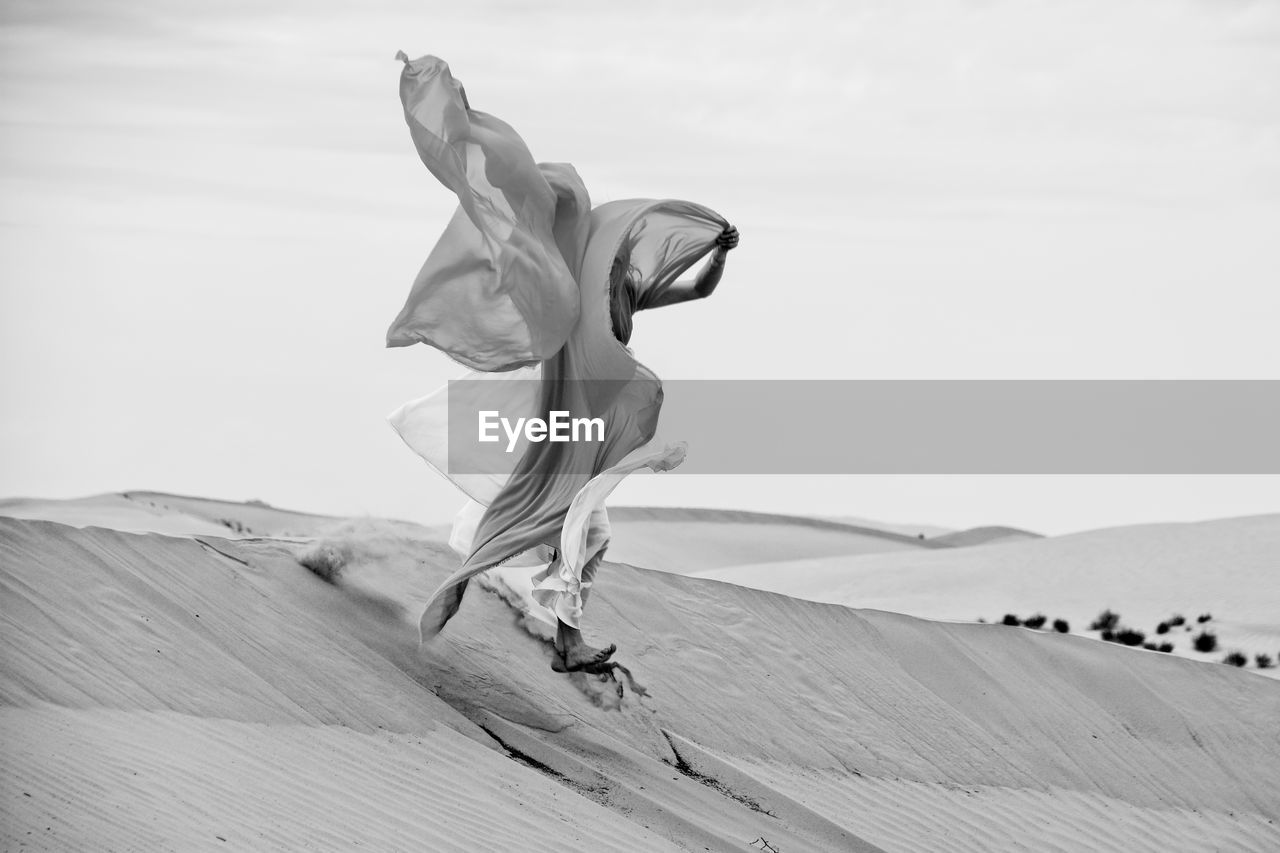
point(1146, 573)
point(116, 512)
point(680, 540)
point(258, 703)
point(183, 515)
point(982, 536)
point(915, 531)
point(108, 779)
point(692, 540)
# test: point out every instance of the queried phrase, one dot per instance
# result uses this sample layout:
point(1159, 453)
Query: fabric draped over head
point(517, 287)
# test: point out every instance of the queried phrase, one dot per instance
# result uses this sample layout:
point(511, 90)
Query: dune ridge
point(690, 540)
point(814, 726)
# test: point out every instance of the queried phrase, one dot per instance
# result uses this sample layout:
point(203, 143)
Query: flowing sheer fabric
point(520, 277)
point(473, 299)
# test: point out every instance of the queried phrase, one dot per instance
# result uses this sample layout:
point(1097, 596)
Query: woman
point(527, 282)
point(624, 301)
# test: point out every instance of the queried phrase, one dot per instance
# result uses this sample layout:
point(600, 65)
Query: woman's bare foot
point(583, 656)
point(576, 654)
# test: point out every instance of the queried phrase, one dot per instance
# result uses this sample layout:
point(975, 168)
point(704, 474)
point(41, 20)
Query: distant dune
point(982, 536)
point(200, 692)
point(1146, 573)
point(915, 531)
point(696, 540)
point(690, 540)
point(178, 515)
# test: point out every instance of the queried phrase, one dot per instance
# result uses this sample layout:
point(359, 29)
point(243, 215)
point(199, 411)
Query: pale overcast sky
point(211, 211)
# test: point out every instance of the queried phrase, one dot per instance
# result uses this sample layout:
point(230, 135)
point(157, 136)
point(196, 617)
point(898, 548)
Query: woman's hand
point(728, 239)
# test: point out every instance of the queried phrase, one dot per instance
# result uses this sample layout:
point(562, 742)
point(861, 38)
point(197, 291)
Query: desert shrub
point(1061, 626)
point(1130, 636)
point(1108, 635)
point(1010, 619)
point(1204, 617)
point(1205, 641)
point(1106, 621)
point(1235, 659)
point(1165, 647)
point(982, 619)
point(1263, 661)
point(1162, 628)
point(1149, 646)
point(1176, 619)
point(1036, 621)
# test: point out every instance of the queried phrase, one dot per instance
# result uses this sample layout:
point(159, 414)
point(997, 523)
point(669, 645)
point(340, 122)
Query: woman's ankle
point(571, 639)
point(567, 637)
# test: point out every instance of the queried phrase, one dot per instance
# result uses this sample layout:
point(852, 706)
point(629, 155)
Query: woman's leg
point(575, 651)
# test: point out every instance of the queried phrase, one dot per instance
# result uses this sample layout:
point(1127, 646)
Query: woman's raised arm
point(708, 277)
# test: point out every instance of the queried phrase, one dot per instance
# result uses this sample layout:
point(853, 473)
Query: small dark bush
point(1036, 621)
point(1010, 619)
point(1130, 637)
point(1061, 626)
point(1165, 647)
point(1176, 619)
point(982, 619)
point(1204, 617)
point(1205, 641)
point(1149, 646)
point(1106, 621)
point(1263, 661)
point(1236, 659)
point(1162, 628)
point(1108, 635)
